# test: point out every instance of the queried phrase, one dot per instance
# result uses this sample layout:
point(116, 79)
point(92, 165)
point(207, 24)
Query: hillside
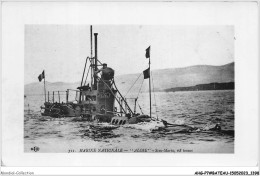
point(180, 77)
point(211, 86)
point(163, 79)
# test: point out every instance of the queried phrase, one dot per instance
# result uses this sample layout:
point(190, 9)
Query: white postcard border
point(243, 15)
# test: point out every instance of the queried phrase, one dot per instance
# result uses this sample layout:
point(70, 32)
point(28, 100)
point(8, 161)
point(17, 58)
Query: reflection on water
point(193, 113)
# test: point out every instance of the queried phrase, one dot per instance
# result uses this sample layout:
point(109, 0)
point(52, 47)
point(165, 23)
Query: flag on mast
point(146, 73)
point(41, 76)
point(147, 54)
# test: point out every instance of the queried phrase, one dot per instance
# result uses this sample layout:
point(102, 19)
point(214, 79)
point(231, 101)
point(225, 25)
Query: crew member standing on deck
point(107, 72)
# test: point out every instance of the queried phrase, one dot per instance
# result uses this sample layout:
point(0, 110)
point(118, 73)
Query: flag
point(147, 54)
point(41, 76)
point(146, 73)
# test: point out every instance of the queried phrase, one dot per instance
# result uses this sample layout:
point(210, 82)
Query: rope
point(154, 97)
point(133, 84)
point(84, 71)
point(140, 88)
point(86, 76)
point(140, 108)
point(121, 97)
point(100, 62)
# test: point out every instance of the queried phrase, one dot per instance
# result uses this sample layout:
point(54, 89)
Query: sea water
point(199, 110)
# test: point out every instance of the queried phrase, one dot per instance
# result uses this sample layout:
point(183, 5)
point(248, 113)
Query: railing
point(59, 93)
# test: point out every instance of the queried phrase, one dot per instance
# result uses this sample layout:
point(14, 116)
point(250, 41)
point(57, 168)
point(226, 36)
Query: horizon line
point(140, 72)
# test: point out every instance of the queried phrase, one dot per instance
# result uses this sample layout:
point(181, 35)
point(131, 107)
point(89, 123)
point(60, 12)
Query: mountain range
point(162, 79)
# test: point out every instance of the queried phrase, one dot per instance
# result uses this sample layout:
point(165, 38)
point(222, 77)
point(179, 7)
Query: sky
point(61, 50)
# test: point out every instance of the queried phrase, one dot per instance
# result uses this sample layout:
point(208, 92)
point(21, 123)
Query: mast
point(59, 95)
point(44, 86)
point(91, 56)
point(150, 84)
point(87, 58)
point(95, 66)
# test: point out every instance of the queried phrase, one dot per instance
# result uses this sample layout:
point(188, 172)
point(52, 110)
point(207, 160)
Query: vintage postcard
point(129, 88)
point(147, 84)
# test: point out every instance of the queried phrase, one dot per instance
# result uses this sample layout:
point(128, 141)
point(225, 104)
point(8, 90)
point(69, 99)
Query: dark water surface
point(198, 110)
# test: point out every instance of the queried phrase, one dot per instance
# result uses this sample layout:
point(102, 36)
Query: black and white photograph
point(129, 88)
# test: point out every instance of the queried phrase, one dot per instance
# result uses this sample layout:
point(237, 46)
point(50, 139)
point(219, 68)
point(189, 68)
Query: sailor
point(99, 70)
point(107, 72)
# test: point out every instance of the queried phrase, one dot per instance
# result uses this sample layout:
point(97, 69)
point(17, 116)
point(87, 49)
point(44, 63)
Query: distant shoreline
point(196, 69)
point(199, 87)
